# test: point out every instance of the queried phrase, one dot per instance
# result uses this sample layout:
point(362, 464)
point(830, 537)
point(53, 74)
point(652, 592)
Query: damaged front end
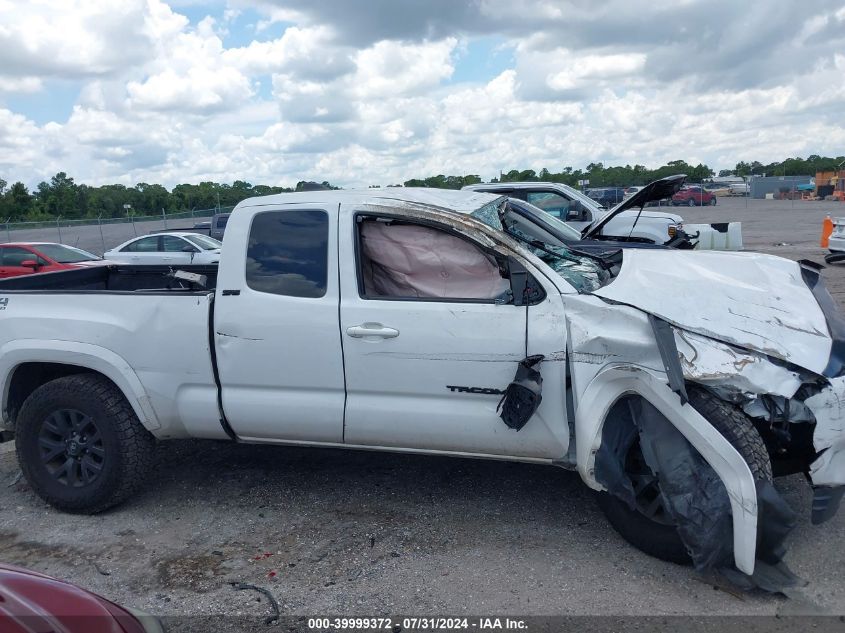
point(714, 406)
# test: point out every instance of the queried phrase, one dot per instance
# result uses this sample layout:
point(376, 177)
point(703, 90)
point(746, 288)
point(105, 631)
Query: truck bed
point(115, 278)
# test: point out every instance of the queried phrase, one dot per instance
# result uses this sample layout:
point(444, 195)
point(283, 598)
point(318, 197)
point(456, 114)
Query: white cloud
point(394, 68)
point(79, 38)
point(20, 84)
point(362, 97)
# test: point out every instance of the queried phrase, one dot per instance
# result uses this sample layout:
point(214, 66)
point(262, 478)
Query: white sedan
point(167, 249)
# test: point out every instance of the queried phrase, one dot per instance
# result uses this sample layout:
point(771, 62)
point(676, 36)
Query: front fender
point(614, 382)
point(94, 357)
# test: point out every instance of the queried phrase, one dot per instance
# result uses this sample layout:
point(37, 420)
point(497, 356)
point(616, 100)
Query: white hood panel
point(759, 302)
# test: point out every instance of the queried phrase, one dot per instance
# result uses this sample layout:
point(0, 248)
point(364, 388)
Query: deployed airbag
point(408, 260)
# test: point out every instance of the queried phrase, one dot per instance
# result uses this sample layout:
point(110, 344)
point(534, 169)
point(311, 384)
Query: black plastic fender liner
point(694, 496)
point(693, 493)
point(775, 520)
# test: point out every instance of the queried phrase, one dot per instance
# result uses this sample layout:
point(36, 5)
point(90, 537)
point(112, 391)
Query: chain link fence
point(101, 234)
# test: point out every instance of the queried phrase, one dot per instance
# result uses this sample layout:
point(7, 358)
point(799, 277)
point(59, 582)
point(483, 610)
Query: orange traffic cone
point(827, 229)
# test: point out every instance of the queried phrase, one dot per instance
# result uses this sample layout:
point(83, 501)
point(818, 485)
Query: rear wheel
point(648, 527)
point(80, 445)
point(690, 202)
point(713, 201)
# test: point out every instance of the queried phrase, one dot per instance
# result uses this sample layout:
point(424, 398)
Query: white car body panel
point(168, 380)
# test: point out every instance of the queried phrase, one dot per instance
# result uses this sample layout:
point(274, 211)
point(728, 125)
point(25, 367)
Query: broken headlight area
point(800, 415)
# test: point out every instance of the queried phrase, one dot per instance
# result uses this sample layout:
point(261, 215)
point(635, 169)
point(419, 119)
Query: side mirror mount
point(576, 212)
point(519, 282)
point(30, 263)
point(190, 249)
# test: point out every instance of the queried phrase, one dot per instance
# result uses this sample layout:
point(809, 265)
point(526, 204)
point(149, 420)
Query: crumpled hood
point(758, 302)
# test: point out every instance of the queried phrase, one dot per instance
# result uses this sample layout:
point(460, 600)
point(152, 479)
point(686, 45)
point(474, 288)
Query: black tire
point(691, 202)
point(659, 538)
point(713, 201)
point(81, 446)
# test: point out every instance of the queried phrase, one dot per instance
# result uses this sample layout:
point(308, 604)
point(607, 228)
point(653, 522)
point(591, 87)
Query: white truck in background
point(654, 225)
point(435, 322)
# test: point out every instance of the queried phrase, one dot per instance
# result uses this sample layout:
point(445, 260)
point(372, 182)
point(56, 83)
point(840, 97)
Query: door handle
point(371, 331)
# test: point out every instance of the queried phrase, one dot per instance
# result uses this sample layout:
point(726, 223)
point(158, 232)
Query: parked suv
point(694, 197)
point(218, 225)
point(607, 196)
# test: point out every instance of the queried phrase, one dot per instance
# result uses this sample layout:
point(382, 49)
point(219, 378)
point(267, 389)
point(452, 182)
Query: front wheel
point(713, 202)
point(80, 445)
point(690, 202)
point(648, 527)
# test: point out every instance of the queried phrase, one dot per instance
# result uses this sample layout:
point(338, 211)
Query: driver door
point(428, 353)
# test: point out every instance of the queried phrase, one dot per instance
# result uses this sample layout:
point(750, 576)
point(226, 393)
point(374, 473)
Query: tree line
point(63, 197)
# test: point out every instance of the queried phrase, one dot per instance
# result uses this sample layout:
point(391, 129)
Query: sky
point(374, 92)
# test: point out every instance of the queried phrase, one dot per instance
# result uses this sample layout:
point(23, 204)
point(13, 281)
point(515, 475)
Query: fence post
point(102, 239)
point(134, 230)
point(164, 215)
point(192, 215)
point(59, 228)
point(8, 230)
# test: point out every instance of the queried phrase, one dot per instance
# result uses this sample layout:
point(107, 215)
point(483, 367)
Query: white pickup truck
point(651, 225)
point(435, 322)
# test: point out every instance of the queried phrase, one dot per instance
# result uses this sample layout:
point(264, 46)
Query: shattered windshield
point(583, 273)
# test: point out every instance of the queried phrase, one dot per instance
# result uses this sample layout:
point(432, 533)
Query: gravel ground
point(345, 533)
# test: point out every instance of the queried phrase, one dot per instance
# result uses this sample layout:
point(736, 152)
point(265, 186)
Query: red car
point(30, 602)
point(693, 197)
point(42, 257)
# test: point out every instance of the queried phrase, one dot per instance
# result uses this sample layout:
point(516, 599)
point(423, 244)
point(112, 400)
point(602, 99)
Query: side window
point(14, 256)
point(400, 260)
point(287, 253)
point(222, 221)
point(552, 203)
point(144, 245)
point(173, 244)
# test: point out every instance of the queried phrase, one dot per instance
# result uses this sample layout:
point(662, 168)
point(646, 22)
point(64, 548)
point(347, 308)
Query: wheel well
point(27, 377)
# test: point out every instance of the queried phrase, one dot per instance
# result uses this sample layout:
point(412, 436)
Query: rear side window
point(15, 256)
point(287, 253)
point(173, 244)
point(144, 245)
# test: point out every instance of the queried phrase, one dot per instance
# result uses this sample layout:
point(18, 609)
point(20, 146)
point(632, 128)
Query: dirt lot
point(337, 532)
